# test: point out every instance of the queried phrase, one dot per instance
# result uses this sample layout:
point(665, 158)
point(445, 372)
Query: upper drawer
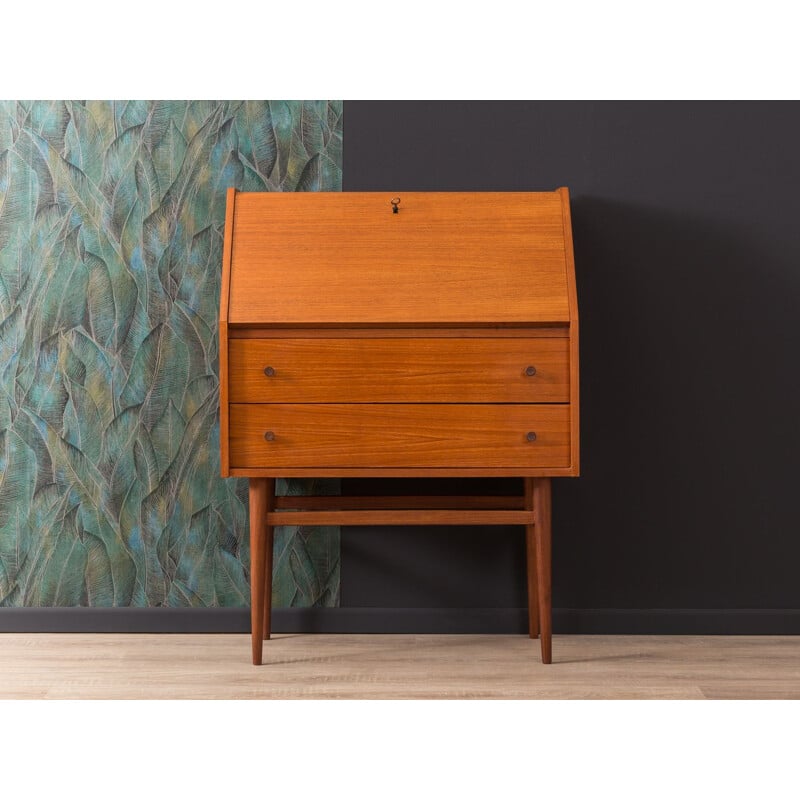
point(365, 370)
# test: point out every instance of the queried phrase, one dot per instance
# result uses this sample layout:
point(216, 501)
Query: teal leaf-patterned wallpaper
point(111, 226)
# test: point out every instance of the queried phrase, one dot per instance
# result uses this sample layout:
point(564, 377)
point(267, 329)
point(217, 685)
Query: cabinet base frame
point(532, 509)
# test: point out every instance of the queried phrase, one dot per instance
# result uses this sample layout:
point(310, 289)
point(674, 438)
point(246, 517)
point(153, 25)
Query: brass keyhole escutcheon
point(395, 201)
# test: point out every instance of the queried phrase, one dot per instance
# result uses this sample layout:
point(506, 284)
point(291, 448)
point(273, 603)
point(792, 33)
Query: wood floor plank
point(217, 666)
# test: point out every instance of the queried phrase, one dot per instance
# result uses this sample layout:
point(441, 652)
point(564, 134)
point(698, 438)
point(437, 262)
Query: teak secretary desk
point(414, 334)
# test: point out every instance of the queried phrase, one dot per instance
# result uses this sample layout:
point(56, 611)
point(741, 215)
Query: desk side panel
point(574, 367)
point(224, 299)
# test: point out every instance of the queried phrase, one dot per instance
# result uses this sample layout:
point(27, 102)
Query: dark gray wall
point(687, 250)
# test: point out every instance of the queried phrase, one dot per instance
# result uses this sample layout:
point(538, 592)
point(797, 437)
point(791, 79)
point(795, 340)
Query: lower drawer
point(399, 435)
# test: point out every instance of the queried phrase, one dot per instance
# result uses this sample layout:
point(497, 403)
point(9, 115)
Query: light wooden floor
point(210, 666)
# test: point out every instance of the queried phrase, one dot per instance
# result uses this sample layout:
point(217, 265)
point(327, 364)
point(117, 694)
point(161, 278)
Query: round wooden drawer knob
point(269, 371)
point(530, 436)
point(530, 371)
point(269, 436)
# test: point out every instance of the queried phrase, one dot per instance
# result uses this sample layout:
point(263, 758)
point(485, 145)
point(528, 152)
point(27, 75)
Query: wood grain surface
point(269, 547)
point(399, 370)
point(262, 492)
point(376, 331)
point(414, 435)
point(542, 502)
point(225, 282)
point(574, 336)
point(345, 666)
point(342, 257)
point(338, 503)
point(400, 472)
point(401, 517)
point(530, 564)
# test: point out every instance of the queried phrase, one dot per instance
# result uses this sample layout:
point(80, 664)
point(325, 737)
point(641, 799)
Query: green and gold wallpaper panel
point(111, 227)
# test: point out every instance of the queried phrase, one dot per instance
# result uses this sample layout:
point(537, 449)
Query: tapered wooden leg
point(542, 517)
point(530, 550)
point(269, 545)
point(258, 558)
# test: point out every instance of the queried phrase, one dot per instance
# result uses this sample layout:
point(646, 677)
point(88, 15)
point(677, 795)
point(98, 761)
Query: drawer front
point(413, 435)
point(399, 370)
